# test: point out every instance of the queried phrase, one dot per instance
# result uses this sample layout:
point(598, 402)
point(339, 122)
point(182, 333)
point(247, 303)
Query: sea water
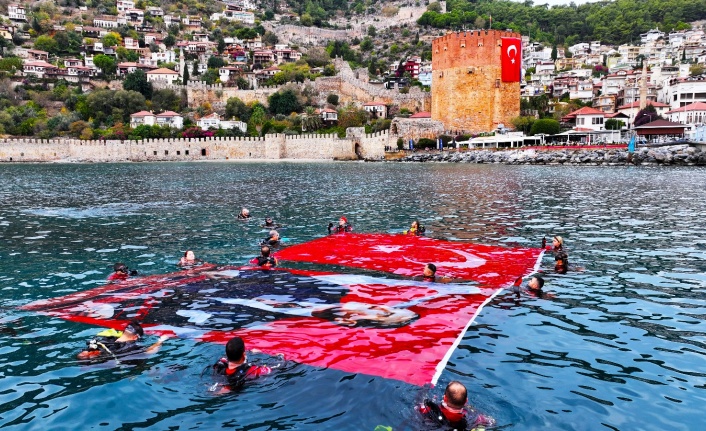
point(618, 343)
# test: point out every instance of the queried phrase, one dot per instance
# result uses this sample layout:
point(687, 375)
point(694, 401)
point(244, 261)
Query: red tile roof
point(586, 110)
point(696, 106)
point(637, 105)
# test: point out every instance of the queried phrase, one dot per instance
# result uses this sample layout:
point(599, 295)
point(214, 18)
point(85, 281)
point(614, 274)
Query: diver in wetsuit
point(244, 214)
point(342, 227)
point(270, 224)
point(415, 229)
point(112, 344)
point(121, 272)
point(272, 240)
point(264, 259)
point(452, 412)
point(235, 368)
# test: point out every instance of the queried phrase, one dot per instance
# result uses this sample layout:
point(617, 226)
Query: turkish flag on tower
point(511, 59)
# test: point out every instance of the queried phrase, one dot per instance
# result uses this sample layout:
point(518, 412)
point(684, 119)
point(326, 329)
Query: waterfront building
point(693, 114)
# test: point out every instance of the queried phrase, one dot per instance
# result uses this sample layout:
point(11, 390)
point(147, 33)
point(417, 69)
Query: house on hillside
point(163, 74)
point(376, 110)
point(214, 121)
point(586, 119)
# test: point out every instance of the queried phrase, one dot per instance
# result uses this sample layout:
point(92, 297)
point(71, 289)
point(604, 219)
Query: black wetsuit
point(263, 261)
point(103, 348)
point(347, 227)
point(435, 417)
point(236, 378)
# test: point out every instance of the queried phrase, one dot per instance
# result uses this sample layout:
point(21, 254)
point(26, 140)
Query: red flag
point(511, 59)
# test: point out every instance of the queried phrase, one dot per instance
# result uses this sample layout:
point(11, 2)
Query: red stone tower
point(467, 91)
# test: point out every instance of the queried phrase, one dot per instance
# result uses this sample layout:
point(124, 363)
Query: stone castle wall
point(467, 91)
point(270, 147)
point(346, 85)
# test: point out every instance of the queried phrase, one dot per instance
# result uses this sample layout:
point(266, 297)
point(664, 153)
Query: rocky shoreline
point(680, 155)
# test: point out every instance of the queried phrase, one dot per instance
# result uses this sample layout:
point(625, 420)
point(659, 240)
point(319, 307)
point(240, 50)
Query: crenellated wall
point(269, 147)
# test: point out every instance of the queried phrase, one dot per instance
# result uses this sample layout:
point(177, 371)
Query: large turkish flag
point(511, 59)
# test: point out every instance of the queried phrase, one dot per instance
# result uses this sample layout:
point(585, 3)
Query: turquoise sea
point(618, 343)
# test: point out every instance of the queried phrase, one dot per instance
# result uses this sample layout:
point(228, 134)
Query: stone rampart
point(272, 147)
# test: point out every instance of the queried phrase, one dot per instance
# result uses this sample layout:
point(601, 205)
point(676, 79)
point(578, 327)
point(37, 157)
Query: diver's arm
point(155, 347)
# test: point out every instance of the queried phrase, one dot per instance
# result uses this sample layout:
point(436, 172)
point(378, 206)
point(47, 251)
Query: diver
point(342, 227)
point(452, 411)
point(235, 368)
point(121, 272)
point(415, 229)
point(244, 214)
point(534, 287)
point(561, 257)
point(270, 224)
point(272, 240)
point(114, 344)
point(264, 259)
point(429, 272)
point(189, 259)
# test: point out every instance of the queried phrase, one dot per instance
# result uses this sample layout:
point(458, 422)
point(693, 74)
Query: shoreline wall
point(269, 147)
point(681, 155)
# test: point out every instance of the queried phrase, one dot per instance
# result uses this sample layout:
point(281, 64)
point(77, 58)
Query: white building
point(587, 119)
point(376, 110)
point(685, 91)
point(163, 74)
point(16, 12)
point(106, 21)
point(169, 118)
point(123, 5)
point(142, 118)
point(38, 68)
point(693, 114)
point(214, 120)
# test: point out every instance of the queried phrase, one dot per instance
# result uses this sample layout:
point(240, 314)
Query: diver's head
point(429, 270)
point(342, 221)
point(120, 267)
point(536, 283)
point(415, 225)
point(558, 241)
point(265, 251)
point(245, 212)
point(189, 255)
point(134, 330)
point(235, 349)
point(274, 234)
point(455, 395)
point(268, 220)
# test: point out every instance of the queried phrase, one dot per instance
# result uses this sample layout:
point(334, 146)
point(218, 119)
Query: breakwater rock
point(672, 155)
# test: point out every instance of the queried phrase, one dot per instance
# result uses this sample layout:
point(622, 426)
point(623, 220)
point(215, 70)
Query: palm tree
point(311, 121)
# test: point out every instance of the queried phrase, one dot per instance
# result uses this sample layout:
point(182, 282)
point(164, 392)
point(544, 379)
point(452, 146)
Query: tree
point(372, 31)
point(311, 121)
point(236, 108)
point(221, 45)
point(137, 81)
point(112, 39)
point(105, 63)
point(210, 76)
point(169, 41)
point(215, 62)
point(351, 116)
point(613, 124)
point(545, 126)
point(434, 7)
point(696, 70)
point(332, 99)
point(195, 69)
point(166, 100)
point(647, 115)
point(258, 117)
point(46, 43)
point(554, 53)
point(306, 20)
point(366, 45)
point(523, 123)
point(185, 79)
point(270, 38)
point(284, 102)
point(317, 57)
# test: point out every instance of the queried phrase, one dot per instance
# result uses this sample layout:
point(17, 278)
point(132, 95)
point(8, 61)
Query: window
point(166, 152)
point(155, 153)
point(597, 120)
point(186, 153)
point(178, 153)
